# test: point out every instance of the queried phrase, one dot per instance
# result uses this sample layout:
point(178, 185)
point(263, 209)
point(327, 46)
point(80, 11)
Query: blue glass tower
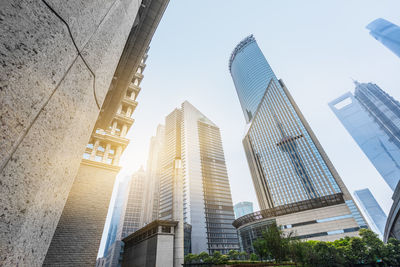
point(372, 209)
point(251, 74)
point(290, 170)
point(372, 117)
point(387, 33)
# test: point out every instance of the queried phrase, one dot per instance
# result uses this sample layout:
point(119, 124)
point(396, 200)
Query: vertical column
point(114, 126)
point(119, 109)
point(94, 151)
point(117, 155)
point(124, 130)
point(133, 95)
point(129, 112)
point(106, 151)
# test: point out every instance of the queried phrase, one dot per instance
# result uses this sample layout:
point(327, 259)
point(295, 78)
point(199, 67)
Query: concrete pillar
point(106, 151)
point(94, 150)
point(178, 214)
point(114, 126)
point(129, 112)
point(124, 130)
point(119, 109)
point(117, 156)
point(48, 109)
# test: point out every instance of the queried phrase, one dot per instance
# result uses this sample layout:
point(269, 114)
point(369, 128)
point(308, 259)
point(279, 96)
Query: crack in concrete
point(77, 49)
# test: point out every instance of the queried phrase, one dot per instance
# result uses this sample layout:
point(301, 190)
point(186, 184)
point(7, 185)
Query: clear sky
point(316, 47)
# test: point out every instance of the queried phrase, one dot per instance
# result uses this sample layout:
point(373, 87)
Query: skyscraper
point(116, 214)
point(387, 33)
point(242, 208)
point(207, 203)
point(153, 174)
point(132, 217)
point(295, 182)
point(372, 117)
point(371, 207)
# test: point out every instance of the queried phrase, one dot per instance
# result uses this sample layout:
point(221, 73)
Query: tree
point(204, 257)
point(191, 258)
point(243, 255)
point(373, 245)
point(253, 257)
point(391, 252)
point(273, 244)
point(233, 254)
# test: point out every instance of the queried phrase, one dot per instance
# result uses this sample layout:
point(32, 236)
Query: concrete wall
point(57, 61)
point(77, 237)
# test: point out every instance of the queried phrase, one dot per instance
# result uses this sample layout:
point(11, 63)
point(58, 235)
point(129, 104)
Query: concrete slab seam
point(19, 141)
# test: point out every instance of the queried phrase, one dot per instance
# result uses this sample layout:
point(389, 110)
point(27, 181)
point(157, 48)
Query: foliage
point(348, 251)
point(233, 254)
point(243, 255)
point(367, 249)
point(274, 244)
point(253, 257)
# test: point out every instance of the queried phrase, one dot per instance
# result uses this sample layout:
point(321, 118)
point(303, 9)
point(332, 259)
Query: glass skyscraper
point(290, 170)
point(387, 33)
point(372, 209)
point(372, 117)
point(207, 202)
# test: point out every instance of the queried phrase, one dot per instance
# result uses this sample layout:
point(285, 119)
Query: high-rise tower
point(295, 182)
point(153, 175)
point(371, 207)
point(387, 33)
point(372, 117)
point(207, 202)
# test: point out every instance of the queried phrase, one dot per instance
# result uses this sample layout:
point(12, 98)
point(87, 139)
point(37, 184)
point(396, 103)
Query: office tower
point(55, 89)
point(372, 117)
point(387, 33)
point(116, 213)
point(242, 208)
point(153, 175)
point(295, 182)
point(371, 207)
point(132, 217)
point(207, 203)
point(79, 230)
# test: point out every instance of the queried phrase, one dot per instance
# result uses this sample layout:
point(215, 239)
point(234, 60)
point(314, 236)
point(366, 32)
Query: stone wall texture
point(77, 237)
point(57, 59)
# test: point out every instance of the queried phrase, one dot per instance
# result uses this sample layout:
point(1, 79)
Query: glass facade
point(251, 75)
point(207, 201)
point(387, 33)
point(372, 209)
point(243, 208)
point(291, 172)
point(372, 117)
point(116, 214)
point(132, 218)
point(293, 168)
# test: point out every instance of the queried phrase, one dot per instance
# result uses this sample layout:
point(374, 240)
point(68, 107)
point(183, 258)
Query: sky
point(316, 47)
